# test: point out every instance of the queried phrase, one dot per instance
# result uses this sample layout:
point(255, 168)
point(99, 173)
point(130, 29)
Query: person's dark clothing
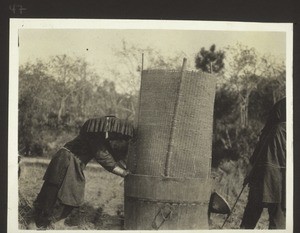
point(48, 208)
point(66, 167)
point(267, 177)
point(64, 178)
point(86, 148)
point(254, 209)
point(269, 166)
point(253, 212)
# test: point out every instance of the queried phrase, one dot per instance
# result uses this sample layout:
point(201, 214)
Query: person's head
point(278, 112)
point(119, 144)
point(116, 131)
point(277, 115)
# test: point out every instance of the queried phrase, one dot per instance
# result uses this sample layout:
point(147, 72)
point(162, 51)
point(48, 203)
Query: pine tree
point(210, 61)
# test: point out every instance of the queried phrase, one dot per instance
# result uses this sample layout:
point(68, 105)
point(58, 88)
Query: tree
point(210, 61)
point(245, 72)
point(128, 71)
point(35, 101)
point(58, 95)
point(69, 73)
point(250, 85)
point(130, 64)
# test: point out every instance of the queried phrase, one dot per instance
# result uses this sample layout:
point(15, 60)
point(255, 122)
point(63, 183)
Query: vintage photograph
point(150, 125)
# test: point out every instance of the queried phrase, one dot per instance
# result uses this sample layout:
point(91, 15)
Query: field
point(103, 208)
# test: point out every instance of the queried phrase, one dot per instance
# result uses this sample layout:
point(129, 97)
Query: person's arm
point(120, 171)
point(273, 142)
point(106, 160)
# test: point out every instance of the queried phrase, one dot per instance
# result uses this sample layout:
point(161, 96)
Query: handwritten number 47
point(17, 9)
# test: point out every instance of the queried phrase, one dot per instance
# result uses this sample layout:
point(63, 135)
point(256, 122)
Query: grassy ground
point(103, 197)
point(103, 208)
point(227, 180)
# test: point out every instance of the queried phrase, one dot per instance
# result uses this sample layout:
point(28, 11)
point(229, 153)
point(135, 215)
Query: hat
point(110, 124)
point(218, 204)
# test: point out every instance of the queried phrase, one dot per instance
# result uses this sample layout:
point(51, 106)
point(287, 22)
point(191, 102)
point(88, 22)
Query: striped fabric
point(107, 124)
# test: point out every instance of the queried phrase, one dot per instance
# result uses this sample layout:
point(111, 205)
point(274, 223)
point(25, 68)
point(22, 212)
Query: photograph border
point(16, 24)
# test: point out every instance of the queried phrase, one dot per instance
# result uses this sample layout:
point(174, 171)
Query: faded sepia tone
point(196, 122)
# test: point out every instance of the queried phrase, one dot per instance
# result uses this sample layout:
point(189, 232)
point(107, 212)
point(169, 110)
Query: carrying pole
point(142, 62)
point(244, 185)
point(174, 122)
point(137, 119)
point(233, 206)
point(142, 69)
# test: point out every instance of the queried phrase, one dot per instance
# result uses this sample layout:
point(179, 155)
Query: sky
point(97, 45)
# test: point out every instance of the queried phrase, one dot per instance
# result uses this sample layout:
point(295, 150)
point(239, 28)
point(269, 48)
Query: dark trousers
point(253, 212)
point(48, 208)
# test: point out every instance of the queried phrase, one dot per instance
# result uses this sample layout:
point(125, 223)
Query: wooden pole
point(140, 87)
point(233, 207)
point(142, 62)
point(174, 122)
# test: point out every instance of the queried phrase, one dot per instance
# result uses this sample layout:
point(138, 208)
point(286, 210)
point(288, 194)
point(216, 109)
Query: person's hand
point(246, 180)
point(126, 173)
point(120, 171)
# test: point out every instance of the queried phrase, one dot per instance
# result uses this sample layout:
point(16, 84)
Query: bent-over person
point(64, 181)
point(267, 177)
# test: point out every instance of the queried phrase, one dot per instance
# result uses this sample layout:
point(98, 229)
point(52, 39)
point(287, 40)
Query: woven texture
point(170, 158)
point(175, 124)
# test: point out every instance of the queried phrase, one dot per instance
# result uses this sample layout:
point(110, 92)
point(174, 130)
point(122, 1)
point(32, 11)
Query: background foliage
point(56, 96)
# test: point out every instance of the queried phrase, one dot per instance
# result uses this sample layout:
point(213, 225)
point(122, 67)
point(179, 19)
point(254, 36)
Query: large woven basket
point(171, 160)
